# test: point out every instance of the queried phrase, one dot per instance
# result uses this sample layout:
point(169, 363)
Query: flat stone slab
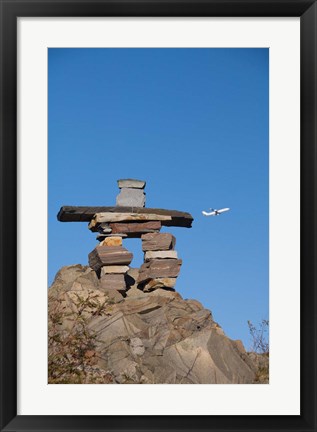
point(158, 283)
point(129, 197)
point(159, 269)
point(123, 217)
point(170, 254)
point(157, 242)
point(135, 229)
point(109, 255)
point(85, 214)
point(113, 269)
point(131, 183)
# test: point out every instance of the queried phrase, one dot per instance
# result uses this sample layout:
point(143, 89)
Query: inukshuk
point(130, 219)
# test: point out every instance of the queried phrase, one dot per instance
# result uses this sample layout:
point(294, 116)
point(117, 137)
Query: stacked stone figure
point(129, 219)
point(110, 260)
point(161, 265)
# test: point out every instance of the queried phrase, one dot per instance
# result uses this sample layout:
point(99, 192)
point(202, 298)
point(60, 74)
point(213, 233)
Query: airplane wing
point(208, 214)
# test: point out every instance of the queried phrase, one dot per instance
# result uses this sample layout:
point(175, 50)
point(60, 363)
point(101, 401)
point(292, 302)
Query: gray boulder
point(129, 197)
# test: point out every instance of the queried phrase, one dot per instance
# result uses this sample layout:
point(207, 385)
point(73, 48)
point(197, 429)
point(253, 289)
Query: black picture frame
point(10, 11)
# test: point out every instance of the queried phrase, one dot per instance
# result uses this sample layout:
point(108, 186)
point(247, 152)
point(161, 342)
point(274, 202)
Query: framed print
point(186, 105)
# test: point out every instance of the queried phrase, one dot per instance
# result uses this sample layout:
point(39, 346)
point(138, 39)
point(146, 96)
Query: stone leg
point(161, 265)
point(111, 260)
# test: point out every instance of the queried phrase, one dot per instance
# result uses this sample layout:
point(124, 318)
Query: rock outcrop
point(147, 337)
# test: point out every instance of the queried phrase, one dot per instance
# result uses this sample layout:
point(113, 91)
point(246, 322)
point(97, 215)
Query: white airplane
point(215, 212)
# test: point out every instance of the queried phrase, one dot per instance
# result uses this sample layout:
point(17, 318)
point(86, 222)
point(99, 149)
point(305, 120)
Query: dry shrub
point(72, 355)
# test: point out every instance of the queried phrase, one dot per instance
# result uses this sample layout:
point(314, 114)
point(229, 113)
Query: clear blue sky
point(193, 123)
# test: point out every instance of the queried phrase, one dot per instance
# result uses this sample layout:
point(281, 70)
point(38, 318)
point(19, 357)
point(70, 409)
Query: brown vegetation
point(260, 351)
point(72, 357)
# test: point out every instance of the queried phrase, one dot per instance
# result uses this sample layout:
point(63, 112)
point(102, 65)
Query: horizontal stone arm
point(86, 214)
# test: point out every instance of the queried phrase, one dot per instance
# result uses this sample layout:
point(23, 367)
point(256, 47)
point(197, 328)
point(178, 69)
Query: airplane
point(215, 212)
